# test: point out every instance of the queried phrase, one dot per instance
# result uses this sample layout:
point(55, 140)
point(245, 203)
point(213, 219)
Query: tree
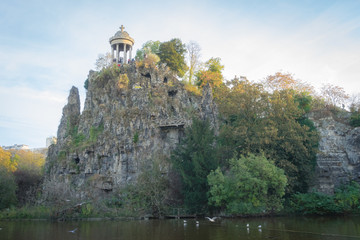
point(172, 53)
point(152, 187)
point(28, 174)
point(150, 47)
point(211, 74)
point(7, 188)
point(333, 95)
point(285, 81)
point(6, 161)
point(251, 185)
point(354, 102)
point(103, 61)
point(271, 123)
point(194, 158)
point(193, 50)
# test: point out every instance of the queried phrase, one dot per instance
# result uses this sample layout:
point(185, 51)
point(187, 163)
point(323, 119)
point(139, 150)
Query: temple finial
point(122, 28)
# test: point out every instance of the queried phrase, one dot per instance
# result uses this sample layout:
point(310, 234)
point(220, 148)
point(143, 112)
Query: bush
point(347, 197)
point(345, 200)
point(314, 203)
point(7, 189)
point(355, 119)
point(252, 185)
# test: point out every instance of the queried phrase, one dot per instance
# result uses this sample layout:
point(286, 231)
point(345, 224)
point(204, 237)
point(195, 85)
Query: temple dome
point(122, 35)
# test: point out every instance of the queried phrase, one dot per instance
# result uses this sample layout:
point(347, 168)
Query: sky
point(46, 47)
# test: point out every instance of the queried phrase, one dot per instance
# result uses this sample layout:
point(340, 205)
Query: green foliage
point(214, 65)
point(27, 212)
point(87, 210)
point(256, 121)
point(62, 155)
point(194, 158)
point(8, 189)
point(314, 203)
point(252, 185)
point(95, 132)
point(147, 48)
point(355, 119)
point(346, 200)
point(136, 137)
point(106, 74)
point(304, 101)
point(173, 54)
point(80, 141)
point(211, 74)
point(86, 84)
point(347, 197)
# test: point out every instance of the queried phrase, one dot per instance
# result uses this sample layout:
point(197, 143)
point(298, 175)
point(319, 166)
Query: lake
point(293, 228)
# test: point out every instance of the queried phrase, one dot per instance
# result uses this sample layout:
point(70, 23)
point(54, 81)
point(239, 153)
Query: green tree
point(194, 158)
point(251, 185)
point(7, 188)
point(211, 74)
point(150, 47)
point(256, 121)
point(172, 53)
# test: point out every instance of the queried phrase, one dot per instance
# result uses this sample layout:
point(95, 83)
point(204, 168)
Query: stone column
point(112, 53)
point(130, 53)
point(117, 53)
point(125, 55)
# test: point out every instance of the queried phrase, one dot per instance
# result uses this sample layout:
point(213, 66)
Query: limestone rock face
point(338, 160)
point(131, 116)
point(71, 114)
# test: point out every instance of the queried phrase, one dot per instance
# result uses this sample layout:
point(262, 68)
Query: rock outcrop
point(131, 116)
point(338, 160)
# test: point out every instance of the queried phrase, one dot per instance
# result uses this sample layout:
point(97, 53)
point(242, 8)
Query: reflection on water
point(293, 228)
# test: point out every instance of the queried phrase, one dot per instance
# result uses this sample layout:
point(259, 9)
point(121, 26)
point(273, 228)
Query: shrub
point(7, 189)
point(345, 200)
point(355, 119)
point(252, 185)
point(123, 81)
point(347, 197)
point(193, 89)
point(314, 203)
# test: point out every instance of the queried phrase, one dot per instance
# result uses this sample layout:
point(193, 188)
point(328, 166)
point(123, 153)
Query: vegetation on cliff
point(261, 157)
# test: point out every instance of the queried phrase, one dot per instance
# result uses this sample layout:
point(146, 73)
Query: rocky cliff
point(338, 159)
point(131, 116)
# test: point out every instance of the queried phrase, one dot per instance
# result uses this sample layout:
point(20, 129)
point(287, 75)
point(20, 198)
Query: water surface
point(294, 228)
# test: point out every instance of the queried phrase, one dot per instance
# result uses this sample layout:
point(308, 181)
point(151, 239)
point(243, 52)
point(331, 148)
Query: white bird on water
point(73, 231)
point(247, 225)
point(211, 219)
point(197, 223)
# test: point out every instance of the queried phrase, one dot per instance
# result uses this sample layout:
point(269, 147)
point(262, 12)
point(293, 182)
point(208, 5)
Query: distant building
point(16, 147)
point(50, 140)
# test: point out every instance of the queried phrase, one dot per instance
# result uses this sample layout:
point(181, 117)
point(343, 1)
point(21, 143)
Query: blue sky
point(46, 47)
